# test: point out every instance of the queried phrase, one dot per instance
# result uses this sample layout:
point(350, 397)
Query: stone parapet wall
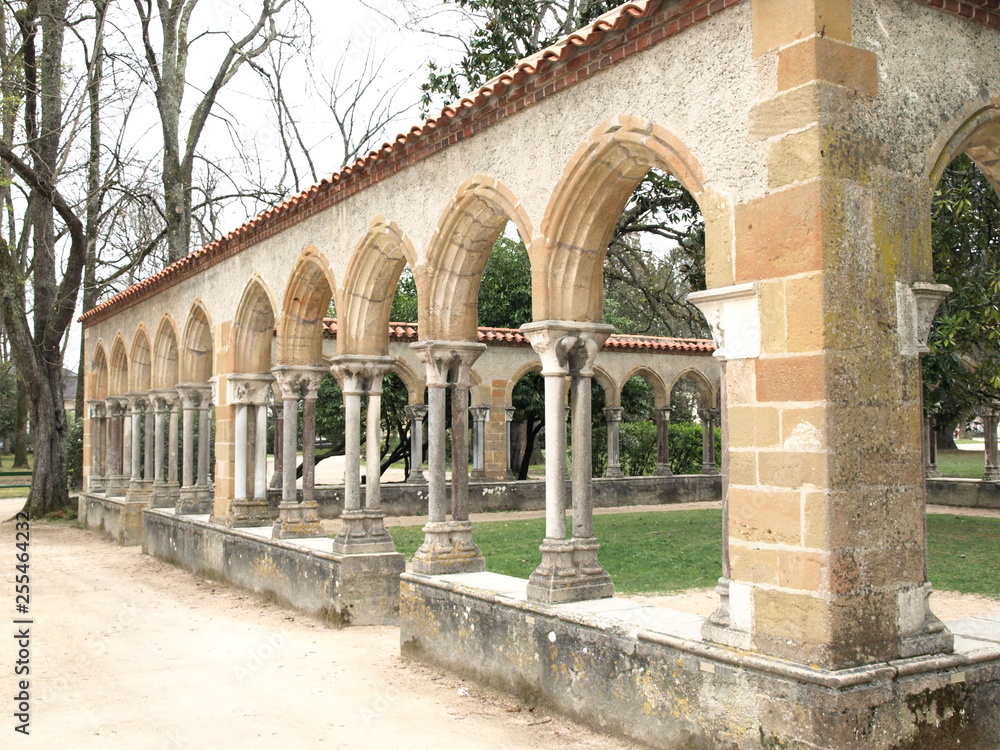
point(113, 517)
point(963, 493)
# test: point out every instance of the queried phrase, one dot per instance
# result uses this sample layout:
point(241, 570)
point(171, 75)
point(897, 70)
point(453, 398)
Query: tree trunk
point(48, 486)
point(21, 428)
point(946, 436)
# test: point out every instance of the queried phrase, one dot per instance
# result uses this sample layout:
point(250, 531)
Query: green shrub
point(74, 453)
point(638, 448)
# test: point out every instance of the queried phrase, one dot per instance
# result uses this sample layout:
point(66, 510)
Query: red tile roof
point(408, 332)
point(319, 196)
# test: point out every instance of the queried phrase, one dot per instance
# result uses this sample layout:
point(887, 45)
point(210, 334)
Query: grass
point(7, 464)
point(672, 551)
point(962, 464)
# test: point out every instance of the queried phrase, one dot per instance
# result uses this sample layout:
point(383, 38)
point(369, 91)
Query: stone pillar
point(148, 442)
point(448, 545)
point(116, 483)
point(415, 413)
point(663, 442)
point(140, 488)
point(613, 418)
point(570, 570)
point(163, 404)
point(509, 425)
point(204, 484)
point(96, 412)
point(173, 450)
point(991, 472)
point(480, 415)
point(709, 418)
point(249, 395)
point(298, 519)
point(362, 529)
point(279, 429)
point(931, 470)
point(192, 500)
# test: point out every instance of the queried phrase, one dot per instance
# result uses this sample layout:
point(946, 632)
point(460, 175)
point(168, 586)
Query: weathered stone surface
point(114, 517)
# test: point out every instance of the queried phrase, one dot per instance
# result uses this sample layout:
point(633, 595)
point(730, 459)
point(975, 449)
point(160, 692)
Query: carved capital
point(448, 363)
point(709, 415)
point(136, 401)
point(416, 412)
point(567, 347)
point(297, 382)
point(361, 375)
point(916, 305)
point(480, 413)
point(249, 389)
point(662, 414)
point(96, 409)
point(509, 413)
point(733, 313)
point(164, 399)
point(115, 406)
point(613, 413)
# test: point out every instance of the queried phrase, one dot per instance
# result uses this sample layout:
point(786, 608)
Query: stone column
point(415, 413)
point(204, 483)
point(140, 489)
point(148, 442)
point(116, 483)
point(448, 545)
point(613, 417)
point(279, 429)
point(249, 394)
point(163, 403)
point(663, 442)
point(509, 425)
point(480, 415)
point(190, 501)
point(570, 570)
point(991, 472)
point(96, 411)
point(931, 470)
point(173, 448)
point(709, 418)
point(297, 519)
point(362, 529)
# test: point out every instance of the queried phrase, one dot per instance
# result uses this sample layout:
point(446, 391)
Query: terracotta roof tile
point(613, 20)
point(408, 332)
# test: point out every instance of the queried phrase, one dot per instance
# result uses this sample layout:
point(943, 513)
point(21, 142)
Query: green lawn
point(672, 551)
point(6, 464)
point(958, 463)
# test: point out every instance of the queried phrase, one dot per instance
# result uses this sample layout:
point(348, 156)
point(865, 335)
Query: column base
point(362, 532)
point(96, 484)
point(991, 475)
point(663, 470)
point(709, 469)
point(116, 485)
point(448, 548)
point(248, 513)
point(192, 502)
point(297, 521)
point(614, 471)
point(165, 495)
point(139, 491)
point(569, 572)
point(932, 472)
point(416, 477)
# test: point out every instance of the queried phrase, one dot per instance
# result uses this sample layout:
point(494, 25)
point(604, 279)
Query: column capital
point(298, 381)
point(250, 389)
point(663, 413)
point(480, 413)
point(116, 406)
point(136, 400)
point(360, 374)
point(509, 413)
point(416, 411)
point(448, 362)
point(733, 314)
point(192, 395)
point(613, 413)
point(709, 415)
point(567, 347)
point(96, 408)
point(164, 399)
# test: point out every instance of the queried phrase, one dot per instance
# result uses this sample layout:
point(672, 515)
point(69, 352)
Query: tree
point(962, 370)
point(36, 340)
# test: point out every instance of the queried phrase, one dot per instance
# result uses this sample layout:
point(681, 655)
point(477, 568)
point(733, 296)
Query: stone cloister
point(812, 134)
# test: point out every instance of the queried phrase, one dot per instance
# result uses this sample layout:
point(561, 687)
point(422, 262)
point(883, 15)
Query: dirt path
point(128, 652)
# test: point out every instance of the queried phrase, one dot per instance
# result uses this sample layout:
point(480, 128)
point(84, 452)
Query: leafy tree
point(505, 291)
point(962, 370)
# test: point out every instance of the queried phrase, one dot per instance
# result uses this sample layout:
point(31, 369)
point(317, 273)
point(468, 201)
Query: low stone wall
point(114, 517)
point(964, 493)
point(302, 574)
point(411, 499)
point(644, 672)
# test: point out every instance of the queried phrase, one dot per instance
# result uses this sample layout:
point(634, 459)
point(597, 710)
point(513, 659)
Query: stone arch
point(612, 394)
point(706, 391)
point(534, 365)
point(310, 288)
point(458, 252)
point(141, 361)
point(661, 393)
point(584, 208)
point(978, 135)
point(369, 285)
point(98, 380)
point(253, 329)
point(197, 346)
point(118, 383)
point(165, 354)
point(414, 383)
